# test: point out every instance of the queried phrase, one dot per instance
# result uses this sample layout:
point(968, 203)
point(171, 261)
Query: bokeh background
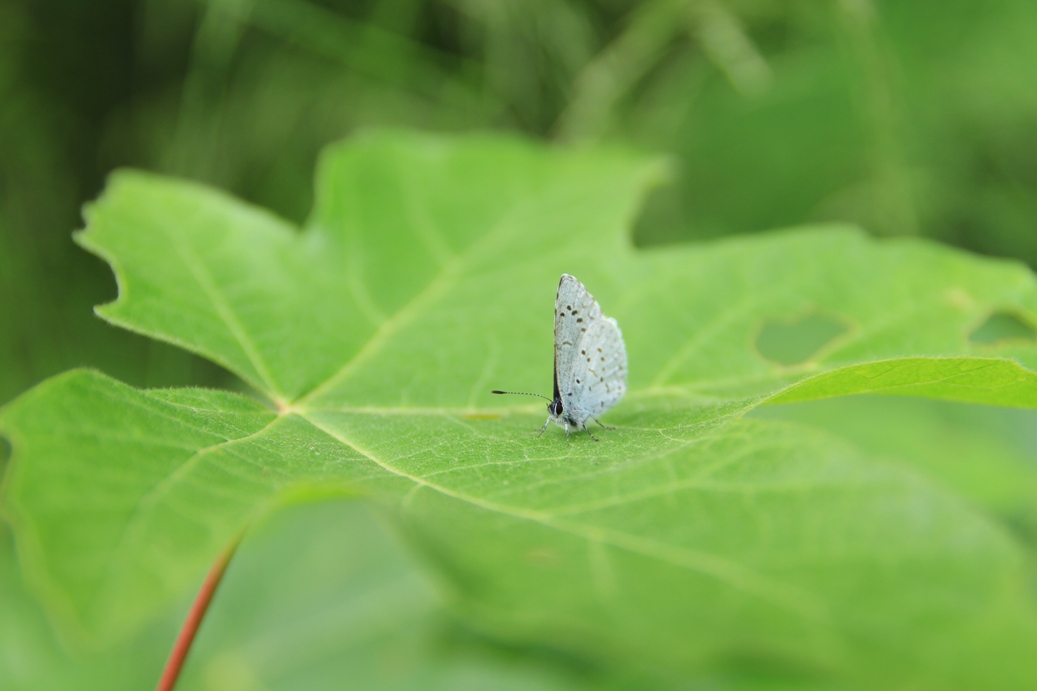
point(905, 117)
point(908, 118)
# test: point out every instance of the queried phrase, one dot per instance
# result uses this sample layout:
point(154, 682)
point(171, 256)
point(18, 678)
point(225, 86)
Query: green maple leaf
point(425, 278)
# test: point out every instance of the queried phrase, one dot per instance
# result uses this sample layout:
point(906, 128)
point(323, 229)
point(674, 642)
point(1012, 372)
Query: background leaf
point(985, 455)
point(272, 627)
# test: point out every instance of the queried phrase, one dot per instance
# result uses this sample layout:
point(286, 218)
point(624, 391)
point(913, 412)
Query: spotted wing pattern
point(590, 357)
point(600, 377)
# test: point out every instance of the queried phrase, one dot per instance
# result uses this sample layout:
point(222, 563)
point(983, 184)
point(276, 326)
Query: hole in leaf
point(1003, 326)
point(793, 342)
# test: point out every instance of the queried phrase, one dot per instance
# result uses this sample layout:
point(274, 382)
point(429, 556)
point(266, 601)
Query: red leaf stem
point(194, 620)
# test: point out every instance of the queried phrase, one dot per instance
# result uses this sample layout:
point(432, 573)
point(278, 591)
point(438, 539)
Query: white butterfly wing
point(601, 373)
point(590, 357)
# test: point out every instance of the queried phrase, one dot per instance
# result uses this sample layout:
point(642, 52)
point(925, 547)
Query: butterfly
point(590, 363)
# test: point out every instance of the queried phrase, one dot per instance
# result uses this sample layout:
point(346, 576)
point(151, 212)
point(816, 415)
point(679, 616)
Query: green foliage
point(904, 118)
point(912, 118)
point(982, 454)
point(319, 594)
point(688, 538)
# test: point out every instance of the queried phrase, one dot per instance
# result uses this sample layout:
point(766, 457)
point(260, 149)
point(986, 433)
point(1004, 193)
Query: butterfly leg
point(585, 429)
point(599, 422)
point(543, 428)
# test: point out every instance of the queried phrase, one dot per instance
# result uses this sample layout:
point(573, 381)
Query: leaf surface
point(423, 280)
point(318, 594)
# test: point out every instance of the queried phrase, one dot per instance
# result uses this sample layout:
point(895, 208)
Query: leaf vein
point(223, 309)
point(723, 570)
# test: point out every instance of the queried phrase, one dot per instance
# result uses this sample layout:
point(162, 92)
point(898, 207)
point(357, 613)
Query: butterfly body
point(590, 360)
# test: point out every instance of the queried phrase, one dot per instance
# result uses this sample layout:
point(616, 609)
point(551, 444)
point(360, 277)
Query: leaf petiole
point(194, 618)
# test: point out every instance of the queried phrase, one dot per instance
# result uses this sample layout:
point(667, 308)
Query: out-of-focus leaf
point(319, 594)
point(986, 455)
point(32, 659)
point(323, 594)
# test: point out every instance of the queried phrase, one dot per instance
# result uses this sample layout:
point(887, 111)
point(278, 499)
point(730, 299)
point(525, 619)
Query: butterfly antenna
point(521, 393)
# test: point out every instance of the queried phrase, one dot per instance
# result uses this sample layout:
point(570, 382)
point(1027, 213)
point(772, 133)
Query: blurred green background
point(908, 118)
